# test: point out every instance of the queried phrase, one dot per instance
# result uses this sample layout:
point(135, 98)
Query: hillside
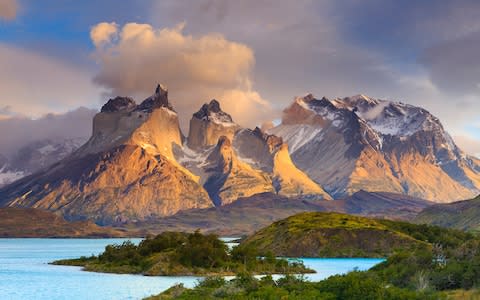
point(249, 214)
point(31, 222)
point(464, 215)
point(316, 234)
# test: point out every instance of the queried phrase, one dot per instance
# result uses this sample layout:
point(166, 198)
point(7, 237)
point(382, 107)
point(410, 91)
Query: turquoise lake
point(26, 274)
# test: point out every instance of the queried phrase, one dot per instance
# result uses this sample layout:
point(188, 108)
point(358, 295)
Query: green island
point(435, 263)
point(177, 253)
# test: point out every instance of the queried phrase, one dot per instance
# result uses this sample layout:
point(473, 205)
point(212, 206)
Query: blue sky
point(419, 52)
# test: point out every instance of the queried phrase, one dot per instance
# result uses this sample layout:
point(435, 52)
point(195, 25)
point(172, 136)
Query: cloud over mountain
point(196, 68)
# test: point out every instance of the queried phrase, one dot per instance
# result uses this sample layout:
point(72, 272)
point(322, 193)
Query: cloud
point(468, 144)
point(195, 69)
point(337, 49)
point(103, 33)
point(18, 131)
point(8, 9)
point(454, 66)
point(32, 84)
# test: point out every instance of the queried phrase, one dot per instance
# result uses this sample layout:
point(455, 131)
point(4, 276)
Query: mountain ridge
point(364, 143)
point(138, 165)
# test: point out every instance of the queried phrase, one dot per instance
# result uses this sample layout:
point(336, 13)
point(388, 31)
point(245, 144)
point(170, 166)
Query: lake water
point(26, 274)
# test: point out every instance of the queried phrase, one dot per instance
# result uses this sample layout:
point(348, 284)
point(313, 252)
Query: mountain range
point(139, 166)
point(377, 145)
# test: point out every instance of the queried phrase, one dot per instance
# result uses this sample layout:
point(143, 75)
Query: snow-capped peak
point(212, 112)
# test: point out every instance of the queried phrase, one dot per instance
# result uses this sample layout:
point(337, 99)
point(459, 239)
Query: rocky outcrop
point(358, 143)
point(227, 178)
point(209, 124)
point(125, 172)
point(119, 104)
point(268, 153)
point(157, 100)
point(123, 184)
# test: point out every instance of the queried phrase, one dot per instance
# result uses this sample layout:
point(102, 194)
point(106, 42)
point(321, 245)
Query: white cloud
point(468, 144)
point(103, 33)
point(17, 131)
point(195, 68)
point(8, 9)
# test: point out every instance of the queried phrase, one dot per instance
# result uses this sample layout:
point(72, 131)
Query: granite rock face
point(125, 172)
point(208, 125)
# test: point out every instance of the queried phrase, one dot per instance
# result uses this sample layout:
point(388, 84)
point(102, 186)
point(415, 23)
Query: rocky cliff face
point(268, 153)
point(376, 145)
point(126, 171)
point(209, 124)
point(227, 178)
point(243, 162)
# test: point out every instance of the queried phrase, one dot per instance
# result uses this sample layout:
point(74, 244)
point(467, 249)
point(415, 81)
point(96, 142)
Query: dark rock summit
point(119, 104)
point(213, 112)
point(157, 100)
point(209, 124)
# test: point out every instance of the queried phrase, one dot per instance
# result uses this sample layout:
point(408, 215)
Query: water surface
point(26, 274)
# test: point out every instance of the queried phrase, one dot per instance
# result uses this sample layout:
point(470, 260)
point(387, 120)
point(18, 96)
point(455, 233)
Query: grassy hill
point(463, 215)
point(317, 234)
point(31, 222)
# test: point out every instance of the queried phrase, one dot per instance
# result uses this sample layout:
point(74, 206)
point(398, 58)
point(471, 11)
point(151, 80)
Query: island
point(178, 253)
point(422, 261)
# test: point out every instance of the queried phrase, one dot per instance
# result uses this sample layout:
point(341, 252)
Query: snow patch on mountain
point(296, 135)
point(8, 176)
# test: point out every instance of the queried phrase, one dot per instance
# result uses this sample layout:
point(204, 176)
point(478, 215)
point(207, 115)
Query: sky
point(254, 56)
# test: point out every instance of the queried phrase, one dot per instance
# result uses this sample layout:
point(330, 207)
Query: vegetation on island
point(443, 264)
point(175, 253)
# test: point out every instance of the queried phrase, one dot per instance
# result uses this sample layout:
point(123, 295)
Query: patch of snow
point(246, 160)
point(47, 149)
point(220, 118)
point(169, 111)
point(296, 135)
point(7, 176)
point(191, 156)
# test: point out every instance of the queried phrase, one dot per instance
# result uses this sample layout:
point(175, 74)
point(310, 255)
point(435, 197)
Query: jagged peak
point(161, 89)
point(274, 142)
point(157, 100)
point(119, 104)
point(309, 102)
point(214, 113)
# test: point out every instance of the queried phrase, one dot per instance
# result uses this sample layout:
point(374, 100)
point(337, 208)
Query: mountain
point(235, 162)
point(138, 166)
point(35, 156)
point(464, 215)
point(31, 222)
point(209, 124)
point(318, 234)
point(126, 170)
point(269, 153)
point(249, 214)
point(228, 178)
point(360, 143)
